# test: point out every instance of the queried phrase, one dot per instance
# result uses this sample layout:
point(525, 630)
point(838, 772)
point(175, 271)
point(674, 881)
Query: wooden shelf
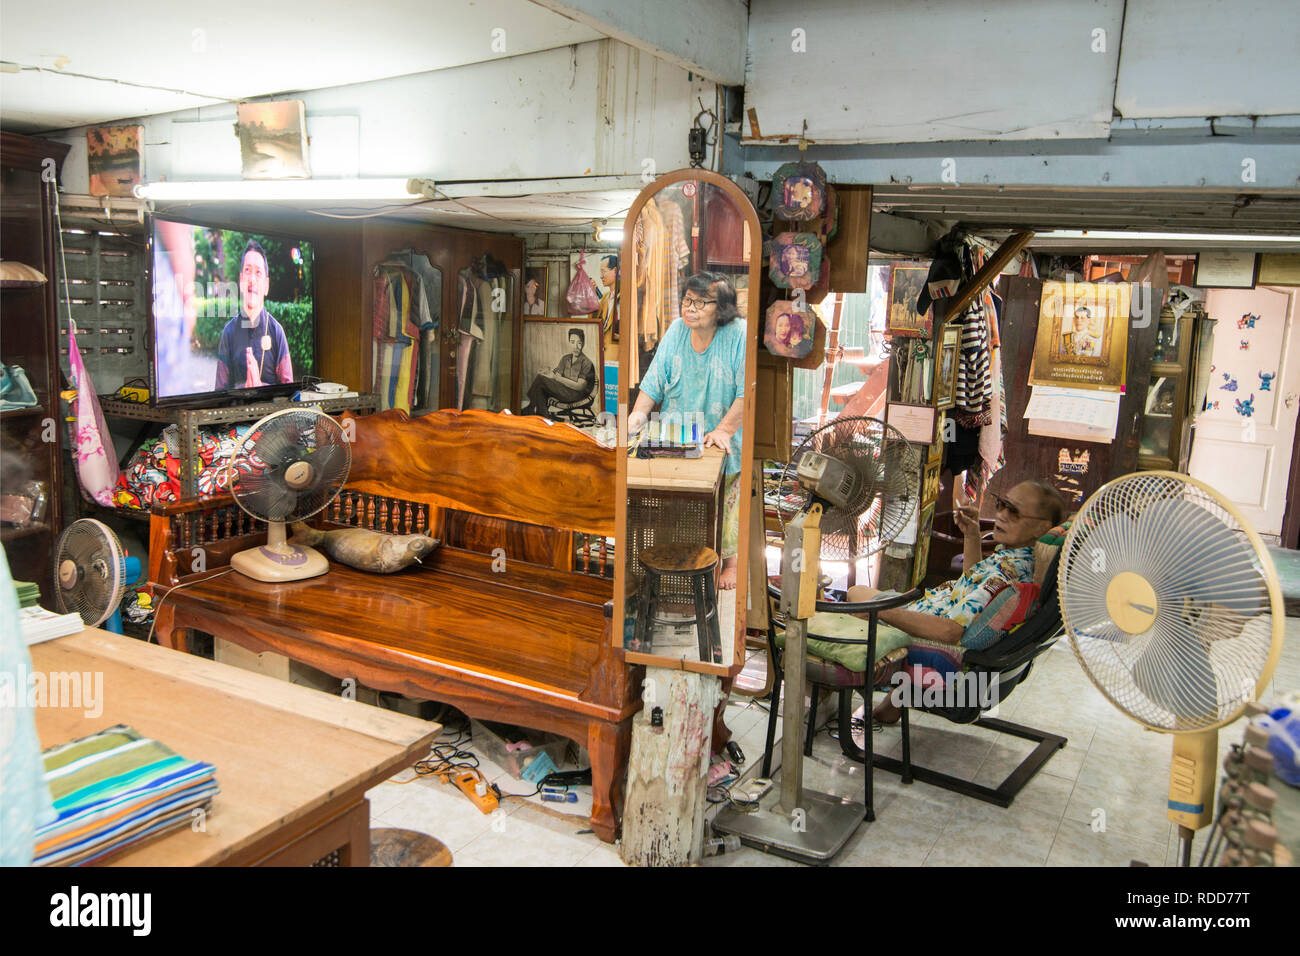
point(13, 534)
point(36, 411)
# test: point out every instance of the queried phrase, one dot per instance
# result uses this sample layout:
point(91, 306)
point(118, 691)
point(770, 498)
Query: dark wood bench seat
point(482, 624)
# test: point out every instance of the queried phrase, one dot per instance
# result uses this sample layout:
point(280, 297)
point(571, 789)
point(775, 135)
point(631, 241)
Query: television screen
point(233, 312)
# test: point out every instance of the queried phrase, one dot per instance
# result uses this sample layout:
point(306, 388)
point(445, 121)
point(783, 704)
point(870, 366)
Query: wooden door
point(1242, 442)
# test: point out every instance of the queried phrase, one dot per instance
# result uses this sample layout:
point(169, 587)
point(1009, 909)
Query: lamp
point(604, 231)
point(312, 190)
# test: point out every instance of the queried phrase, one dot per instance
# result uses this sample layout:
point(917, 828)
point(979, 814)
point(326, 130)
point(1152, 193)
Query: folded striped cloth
point(114, 789)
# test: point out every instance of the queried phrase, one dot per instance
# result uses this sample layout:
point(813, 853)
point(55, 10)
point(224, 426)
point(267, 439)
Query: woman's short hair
point(716, 284)
point(1054, 503)
point(582, 338)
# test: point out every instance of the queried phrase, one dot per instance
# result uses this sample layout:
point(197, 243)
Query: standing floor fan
point(860, 480)
point(1173, 608)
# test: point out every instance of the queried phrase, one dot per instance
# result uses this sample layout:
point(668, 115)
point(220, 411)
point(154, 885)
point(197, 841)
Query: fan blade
point(1174, 671)
point(332, 462)
point(271, 500)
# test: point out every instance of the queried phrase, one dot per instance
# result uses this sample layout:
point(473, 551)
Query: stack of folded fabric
point(28, 593)
point(114, 789)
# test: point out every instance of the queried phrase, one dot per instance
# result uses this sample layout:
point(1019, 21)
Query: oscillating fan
point(860, 480)
point(92, 573)
point(289, 466)
point(1173, 608)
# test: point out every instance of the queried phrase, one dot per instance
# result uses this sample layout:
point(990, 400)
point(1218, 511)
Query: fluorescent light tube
point(1099, 234)
point(286, 189)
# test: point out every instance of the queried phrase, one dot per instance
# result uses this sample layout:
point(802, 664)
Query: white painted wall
point(877, 71)
point(600, 108)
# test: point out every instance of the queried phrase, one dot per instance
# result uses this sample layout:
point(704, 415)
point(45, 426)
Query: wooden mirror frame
point(753, 341)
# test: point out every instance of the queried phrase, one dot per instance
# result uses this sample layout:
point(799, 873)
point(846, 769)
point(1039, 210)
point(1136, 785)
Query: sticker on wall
point(1245, 345)
point(1067, 464)
point(1212, 406)
point(1247, 321)
point(1247, 408)
point(1266, 381)
point(1229, 383)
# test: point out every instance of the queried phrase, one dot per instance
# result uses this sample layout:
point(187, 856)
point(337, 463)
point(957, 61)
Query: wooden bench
point(509, 620)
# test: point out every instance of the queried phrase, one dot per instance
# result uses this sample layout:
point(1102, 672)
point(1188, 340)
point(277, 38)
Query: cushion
point(1007, 609)
point(852, 657)
point(366, 550)
point(1047, 548)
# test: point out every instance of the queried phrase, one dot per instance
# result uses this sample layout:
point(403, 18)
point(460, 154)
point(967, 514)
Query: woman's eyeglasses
point(696, 305)
point(1009, 506)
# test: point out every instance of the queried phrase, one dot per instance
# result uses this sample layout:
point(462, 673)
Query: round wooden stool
point(698, 565)
point(394, 847)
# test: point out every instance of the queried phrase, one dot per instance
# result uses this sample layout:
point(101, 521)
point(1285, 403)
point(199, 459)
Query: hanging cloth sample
point(426, 312)
point(484, 360)
point(397, 338)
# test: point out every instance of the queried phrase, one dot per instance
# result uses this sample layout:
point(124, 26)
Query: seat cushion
point(852, 657)
point(1006, 610)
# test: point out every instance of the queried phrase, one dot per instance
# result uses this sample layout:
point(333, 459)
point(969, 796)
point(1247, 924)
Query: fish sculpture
point(364, 549)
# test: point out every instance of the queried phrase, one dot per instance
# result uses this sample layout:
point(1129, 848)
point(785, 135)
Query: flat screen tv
point(233, 316)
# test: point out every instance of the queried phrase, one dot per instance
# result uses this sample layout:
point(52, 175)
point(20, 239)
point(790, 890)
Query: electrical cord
point(722, 794)
point(177, 587)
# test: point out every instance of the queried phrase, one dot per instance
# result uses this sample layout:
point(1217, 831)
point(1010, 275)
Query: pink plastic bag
point(92, 445)
point(581, 297)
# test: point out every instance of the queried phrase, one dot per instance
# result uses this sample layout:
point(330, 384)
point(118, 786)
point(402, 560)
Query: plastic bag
point(92, 446)
point(581, 297)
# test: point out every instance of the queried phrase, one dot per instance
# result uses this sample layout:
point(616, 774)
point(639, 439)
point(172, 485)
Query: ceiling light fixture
point(607, 231)
point(311, 190)
point(1174, 237)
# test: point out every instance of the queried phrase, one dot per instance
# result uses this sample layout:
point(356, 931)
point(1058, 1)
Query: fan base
point(294, 563)
point(828, 824)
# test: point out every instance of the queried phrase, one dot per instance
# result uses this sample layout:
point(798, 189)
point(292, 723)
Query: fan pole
point(792, 714)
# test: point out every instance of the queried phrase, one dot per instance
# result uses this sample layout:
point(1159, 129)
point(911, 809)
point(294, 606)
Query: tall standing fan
point(1173, 608)
point(289, 466)
point(859, 479)
point(92, 572)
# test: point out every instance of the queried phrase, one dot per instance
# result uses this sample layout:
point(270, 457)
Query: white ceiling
point(82, 64)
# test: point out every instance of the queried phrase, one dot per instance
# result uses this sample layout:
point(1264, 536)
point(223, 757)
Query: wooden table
point(293, 764)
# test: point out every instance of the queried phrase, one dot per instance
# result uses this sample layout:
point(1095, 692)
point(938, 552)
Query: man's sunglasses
point(1009, 506)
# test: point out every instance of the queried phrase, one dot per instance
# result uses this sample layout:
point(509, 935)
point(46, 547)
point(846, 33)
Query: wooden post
point(667, 773)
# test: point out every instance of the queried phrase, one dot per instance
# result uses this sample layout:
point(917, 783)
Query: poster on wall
point(1082, 339)
point(273, 140)
point(113, 159)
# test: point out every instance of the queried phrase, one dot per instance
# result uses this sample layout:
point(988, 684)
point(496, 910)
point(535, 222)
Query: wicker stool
point(394, 847)
point(698, 566)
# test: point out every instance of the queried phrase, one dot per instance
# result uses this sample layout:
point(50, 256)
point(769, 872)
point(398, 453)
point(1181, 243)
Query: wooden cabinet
point(30, 438)
point(1164, 442)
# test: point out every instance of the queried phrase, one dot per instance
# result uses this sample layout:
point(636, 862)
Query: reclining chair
point(1009, 660)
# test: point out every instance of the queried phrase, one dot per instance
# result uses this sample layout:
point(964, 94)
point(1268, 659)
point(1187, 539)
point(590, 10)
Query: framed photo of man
point(903, 286)
point(562, 363)
point(536, 286)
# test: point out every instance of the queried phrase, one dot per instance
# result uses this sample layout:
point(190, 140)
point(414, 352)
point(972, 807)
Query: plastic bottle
point(717, 846)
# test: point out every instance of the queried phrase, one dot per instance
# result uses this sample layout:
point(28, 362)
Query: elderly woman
point(938, 620)
point(698, 374)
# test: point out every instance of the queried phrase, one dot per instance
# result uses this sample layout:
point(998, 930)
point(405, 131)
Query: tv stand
point(190, 419)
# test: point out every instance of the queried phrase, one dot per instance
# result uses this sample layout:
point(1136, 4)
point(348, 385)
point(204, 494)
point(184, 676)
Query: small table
point(682, 492)
point(293, 764)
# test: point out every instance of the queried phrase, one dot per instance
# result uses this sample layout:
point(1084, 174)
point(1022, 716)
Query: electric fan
point(1173, 608)
point(289, 466)
point(92, 573)
point(860, 480)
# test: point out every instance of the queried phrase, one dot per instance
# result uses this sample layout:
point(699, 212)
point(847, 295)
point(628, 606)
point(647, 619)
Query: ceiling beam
point(1009, 249)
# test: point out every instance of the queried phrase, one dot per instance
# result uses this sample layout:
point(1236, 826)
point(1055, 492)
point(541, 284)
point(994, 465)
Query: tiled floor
point(1100, 801)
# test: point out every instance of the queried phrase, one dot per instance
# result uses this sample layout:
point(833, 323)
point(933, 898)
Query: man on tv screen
point(253, 351)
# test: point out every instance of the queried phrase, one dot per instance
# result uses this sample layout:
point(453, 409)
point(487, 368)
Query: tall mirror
point(687, 370)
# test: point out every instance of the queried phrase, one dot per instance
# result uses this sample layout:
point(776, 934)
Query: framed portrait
point(798, 192)
point(945, 369)
point(936, 446)
point(922, 551)
point(795, 260)
point(902, 287)
point(557, 355)
point(788, 331)
point(536, 290)
point(930, 484)
point(1082, 339)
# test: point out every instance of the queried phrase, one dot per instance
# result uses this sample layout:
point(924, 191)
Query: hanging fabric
point(92, 445)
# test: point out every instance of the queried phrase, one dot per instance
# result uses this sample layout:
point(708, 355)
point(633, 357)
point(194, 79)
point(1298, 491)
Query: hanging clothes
point(406, 309)
point(483, 364)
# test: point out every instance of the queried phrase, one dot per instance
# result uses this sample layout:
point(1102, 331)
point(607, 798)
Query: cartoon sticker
point(1229, 383)
point(1266, 381)
point(1247, 321)
point(1246, 408)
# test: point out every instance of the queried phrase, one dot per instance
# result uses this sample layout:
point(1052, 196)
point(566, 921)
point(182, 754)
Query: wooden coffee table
point(293, 764)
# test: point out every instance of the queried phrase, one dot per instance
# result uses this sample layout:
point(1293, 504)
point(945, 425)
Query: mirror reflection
point(689, 253)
